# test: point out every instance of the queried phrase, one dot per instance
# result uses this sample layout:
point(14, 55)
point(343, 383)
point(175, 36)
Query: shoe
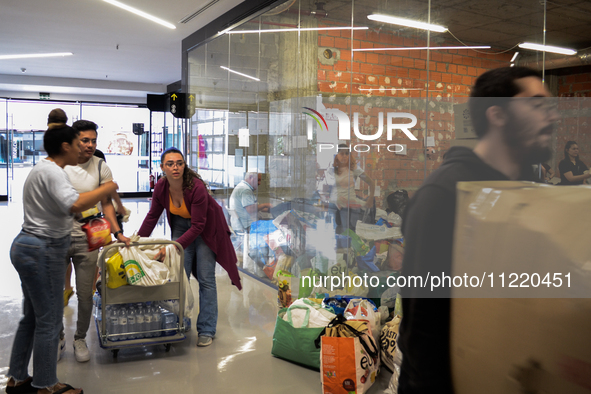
point(81, 351)
point(204, 341)
point(68, 293)
point(61, 348)
point(23, 388)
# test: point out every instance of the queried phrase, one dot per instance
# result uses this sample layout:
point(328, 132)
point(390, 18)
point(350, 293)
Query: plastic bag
point(364, 310)
point(373, 232)
point(316, 315)
point(389, 342)
point(141, 270)
point(172, 261)
point(116, 271)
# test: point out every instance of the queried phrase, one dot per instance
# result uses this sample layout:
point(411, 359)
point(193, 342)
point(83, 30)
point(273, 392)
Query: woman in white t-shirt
point(346, 173)
point(38, 254)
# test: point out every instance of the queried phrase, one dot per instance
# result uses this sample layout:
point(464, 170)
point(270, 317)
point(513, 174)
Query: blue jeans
point(200, 260)
point(39, 262)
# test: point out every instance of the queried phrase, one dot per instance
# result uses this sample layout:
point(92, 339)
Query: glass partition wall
point(23, 122)
point(345, 112)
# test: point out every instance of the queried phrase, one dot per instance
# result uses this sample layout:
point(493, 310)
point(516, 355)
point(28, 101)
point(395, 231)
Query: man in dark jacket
point(513, 118)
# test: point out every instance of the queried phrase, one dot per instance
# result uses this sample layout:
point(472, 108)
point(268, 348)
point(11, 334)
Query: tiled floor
point(238, 361)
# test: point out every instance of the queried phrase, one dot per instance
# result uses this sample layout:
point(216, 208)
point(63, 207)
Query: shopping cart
point(138, 294)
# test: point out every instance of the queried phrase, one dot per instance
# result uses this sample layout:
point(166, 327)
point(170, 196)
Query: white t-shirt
point(241, 197)
point(85, 178)
point(48, 196)
point(345, 187)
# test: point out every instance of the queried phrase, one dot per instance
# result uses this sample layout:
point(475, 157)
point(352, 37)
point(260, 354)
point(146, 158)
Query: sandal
point(66, 388)
point(23, 388)
point(68, 293)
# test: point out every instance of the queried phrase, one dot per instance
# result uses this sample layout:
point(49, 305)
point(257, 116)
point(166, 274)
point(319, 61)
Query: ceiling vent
point(201, 10)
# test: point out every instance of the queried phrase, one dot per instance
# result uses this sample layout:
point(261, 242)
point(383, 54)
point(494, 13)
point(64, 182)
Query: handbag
point(96, 228)
point(350, 359)
point(296, 344)
point(98, 233)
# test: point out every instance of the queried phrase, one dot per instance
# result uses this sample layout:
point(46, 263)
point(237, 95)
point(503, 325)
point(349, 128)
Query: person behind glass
point(346, 173)
point(38, 254)
point(198, 223)
point(572, 170)
point(244, 203)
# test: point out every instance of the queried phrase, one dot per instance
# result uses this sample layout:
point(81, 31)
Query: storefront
point(278, 86)
point(131, 137)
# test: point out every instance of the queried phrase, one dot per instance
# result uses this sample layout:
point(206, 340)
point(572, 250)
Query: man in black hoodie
point(513, 118)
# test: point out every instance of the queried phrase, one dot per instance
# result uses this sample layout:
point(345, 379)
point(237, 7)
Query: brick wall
point(395, 75)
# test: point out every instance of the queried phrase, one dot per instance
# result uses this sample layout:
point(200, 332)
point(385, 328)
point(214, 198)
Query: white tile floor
point(238, 361)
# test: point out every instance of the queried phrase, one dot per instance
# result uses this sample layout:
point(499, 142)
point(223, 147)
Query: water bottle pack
point(136, 321)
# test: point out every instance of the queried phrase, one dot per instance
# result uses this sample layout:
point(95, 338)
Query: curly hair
point(189, 174)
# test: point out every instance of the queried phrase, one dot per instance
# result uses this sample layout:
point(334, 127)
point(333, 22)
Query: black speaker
point(138, 128)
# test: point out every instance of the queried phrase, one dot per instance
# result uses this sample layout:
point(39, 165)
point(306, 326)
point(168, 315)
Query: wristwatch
point(116, 233)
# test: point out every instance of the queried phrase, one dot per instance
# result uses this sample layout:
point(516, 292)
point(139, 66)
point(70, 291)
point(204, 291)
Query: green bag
point(296, 343)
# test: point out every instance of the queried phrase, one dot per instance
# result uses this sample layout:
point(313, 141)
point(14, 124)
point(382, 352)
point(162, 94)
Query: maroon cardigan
point(207, 220)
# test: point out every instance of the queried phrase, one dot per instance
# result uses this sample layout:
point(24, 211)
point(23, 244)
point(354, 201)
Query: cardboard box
point(522, 340)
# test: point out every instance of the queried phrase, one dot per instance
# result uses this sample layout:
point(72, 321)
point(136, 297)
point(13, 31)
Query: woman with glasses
point(198, 223)
point(572, 170)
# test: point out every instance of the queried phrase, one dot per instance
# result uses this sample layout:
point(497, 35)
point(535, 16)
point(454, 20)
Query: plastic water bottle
point(169, 320)
point(139, 320)
point(123, 328)
point(148, 316)
point(187, 322)
point(156, 321)
point(96, 301)
point(131, 322)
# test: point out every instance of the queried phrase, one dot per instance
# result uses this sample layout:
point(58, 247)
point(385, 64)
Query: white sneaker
point(61, 348)
point(81, 351)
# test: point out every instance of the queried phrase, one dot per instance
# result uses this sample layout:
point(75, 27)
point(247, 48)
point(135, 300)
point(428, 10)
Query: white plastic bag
point(177, 272)
point(175, 268)
point(362, 309)
point(142, 270)
point(319, 316)
point(373, 232)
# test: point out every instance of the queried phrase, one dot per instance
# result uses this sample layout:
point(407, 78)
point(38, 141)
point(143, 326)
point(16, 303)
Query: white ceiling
point(116, 53)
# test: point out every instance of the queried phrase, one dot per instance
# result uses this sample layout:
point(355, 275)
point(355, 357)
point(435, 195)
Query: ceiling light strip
point(201, 10)
point(397, 89)
point(421, 48)
point(34, 55)
point(294, 29)
point(141, 13)
point(514, 57)
point(394, 20)
point(236, 72)
point(547, 48)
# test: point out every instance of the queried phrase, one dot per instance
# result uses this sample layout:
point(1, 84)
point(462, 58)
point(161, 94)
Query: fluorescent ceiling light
point(32, 55)
point(293, 29)
point(395, 88)
point(236, 72)
point(406, 22)
point(547, 48)
point(421, 48)
point(141, 13)
point(514, 57)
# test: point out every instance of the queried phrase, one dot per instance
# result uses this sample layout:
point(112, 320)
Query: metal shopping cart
point(137, 294)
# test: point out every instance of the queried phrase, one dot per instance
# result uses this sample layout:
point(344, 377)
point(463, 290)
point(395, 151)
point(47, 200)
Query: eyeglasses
point(171, 164)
